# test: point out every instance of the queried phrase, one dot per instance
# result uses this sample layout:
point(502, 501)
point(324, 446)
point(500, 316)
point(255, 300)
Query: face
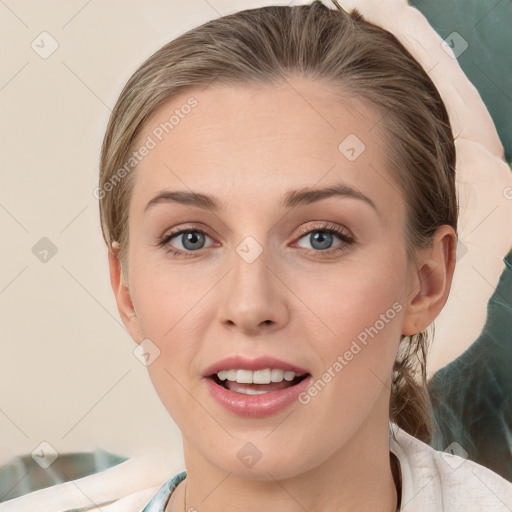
point(316, 281)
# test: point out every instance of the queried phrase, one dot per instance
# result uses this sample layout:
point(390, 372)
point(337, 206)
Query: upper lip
point(237, 362)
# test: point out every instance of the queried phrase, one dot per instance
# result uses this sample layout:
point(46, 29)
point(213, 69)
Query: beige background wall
point(68, 375)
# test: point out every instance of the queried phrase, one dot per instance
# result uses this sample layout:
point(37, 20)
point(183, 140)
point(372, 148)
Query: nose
point(255, 296)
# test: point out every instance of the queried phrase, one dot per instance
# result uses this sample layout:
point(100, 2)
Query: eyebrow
point(291, 199)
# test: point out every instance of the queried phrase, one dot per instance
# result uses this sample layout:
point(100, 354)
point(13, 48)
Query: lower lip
point(256, 406)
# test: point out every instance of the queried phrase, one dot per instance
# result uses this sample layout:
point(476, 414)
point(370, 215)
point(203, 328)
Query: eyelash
point(325, 227)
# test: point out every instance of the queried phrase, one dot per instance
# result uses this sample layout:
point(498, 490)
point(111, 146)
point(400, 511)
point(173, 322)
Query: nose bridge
point(254, 297)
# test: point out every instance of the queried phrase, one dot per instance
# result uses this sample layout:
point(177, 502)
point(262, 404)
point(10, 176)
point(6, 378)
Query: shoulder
point(126, 487)
point(433, 480)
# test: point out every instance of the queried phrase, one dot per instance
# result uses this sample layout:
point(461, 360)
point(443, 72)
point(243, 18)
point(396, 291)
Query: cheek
point(356, 340)
point(354, 313)
point(168, 301)
point(347, 301)
point(170, 309)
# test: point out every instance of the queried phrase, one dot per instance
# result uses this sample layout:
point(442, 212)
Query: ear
point(430, 281)
point(122, 294)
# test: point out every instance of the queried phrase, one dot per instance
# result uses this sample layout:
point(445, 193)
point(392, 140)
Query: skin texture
point(248, 147)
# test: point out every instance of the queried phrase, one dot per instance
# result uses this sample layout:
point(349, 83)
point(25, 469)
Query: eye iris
point(323, 235)
point(193, 237)
point(320, 239)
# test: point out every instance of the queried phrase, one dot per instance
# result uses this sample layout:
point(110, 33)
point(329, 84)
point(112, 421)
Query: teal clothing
point(161, 498)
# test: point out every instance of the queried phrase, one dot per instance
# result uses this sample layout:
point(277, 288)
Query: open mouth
point(256, 389)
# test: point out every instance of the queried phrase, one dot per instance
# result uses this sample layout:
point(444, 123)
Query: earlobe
point(430, 281)
point(122, 295)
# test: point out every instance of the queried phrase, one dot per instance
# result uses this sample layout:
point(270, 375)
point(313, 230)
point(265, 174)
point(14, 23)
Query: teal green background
point(486, 25)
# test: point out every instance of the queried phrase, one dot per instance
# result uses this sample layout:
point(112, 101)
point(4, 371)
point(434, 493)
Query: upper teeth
point(265, 376)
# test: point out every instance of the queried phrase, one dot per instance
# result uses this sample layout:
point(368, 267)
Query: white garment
point(432, 481)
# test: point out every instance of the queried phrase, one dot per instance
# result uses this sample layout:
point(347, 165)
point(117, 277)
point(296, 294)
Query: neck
point(356, 477)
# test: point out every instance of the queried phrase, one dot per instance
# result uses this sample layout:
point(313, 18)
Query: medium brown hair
point(266, 45)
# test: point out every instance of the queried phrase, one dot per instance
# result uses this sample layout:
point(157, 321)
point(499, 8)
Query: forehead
point(255, 140)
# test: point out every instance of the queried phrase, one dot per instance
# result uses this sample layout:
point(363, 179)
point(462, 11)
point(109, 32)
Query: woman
point(277, 190)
